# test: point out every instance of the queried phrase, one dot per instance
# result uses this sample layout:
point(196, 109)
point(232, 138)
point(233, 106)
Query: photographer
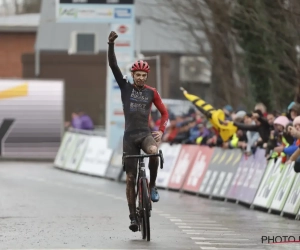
point(279, 138)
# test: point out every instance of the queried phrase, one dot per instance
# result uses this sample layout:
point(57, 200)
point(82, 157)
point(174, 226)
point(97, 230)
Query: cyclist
point(137, 99)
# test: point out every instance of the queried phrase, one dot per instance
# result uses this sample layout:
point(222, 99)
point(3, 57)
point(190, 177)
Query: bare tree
point(268, 31)
point(209, 19)
point(17, 7)
point(31, 6)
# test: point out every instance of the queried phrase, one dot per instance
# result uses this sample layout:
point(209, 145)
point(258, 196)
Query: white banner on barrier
point(284, 188)
point(96, 158)
point(170, 154)
point(268, 188)
point(293, 201)
point(115, 168)
point(64, 149)
point(75, 156)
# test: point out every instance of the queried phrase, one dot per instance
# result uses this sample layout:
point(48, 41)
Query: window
point(86, 43)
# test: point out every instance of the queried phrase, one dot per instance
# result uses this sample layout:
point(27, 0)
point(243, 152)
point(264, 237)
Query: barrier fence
point(212, 172)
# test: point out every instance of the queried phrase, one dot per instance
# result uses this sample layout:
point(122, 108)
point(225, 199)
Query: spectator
point(295, 132)
point(279, 139)
point(252, 136)
point(294, 146)
point(171, 131)
point(228, 110)
point(293, 111)
point(260, 106)
point(238, 140)
point(270, 119)
point(203, 134)
point(80, 120)
point(261, 126)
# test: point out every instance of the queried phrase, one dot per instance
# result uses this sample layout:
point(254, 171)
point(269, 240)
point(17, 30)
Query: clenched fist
point(112, 37)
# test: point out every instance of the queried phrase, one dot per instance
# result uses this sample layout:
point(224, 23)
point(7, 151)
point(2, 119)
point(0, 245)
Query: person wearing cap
point(293, 110)
point(228, 111)
point(279, 139)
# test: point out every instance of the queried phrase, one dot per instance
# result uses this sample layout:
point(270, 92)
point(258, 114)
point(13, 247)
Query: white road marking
point(205, 227)
point(222, 243)
point(212, 233)
point(195, 230)
point(225, 248)
point(218, 239)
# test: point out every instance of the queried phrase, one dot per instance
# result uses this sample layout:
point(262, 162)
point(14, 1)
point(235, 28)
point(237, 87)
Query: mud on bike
point(144, 206)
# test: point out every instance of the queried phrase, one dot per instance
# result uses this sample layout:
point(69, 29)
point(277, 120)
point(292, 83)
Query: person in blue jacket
point(292, 148)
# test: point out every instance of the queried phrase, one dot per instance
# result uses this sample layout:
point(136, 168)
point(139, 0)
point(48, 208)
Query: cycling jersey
point(136, 101)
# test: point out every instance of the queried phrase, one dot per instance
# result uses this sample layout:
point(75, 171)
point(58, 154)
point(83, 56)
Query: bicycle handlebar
point(142, 156)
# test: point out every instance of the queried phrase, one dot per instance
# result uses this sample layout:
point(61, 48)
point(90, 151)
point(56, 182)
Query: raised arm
point(249, 127)
point(112, 60)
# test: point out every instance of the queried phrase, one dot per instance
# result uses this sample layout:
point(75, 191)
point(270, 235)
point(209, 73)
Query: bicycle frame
point(141, 166)
point(143, 193)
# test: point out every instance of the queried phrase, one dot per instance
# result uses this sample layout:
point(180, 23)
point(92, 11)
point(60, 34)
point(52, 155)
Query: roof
point(155, 37)
point(20, 23)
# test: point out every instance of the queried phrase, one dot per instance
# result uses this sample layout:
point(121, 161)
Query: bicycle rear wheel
point(146, 209)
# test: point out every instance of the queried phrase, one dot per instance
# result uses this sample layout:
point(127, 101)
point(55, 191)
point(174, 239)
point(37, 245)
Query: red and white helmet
point(140, 65)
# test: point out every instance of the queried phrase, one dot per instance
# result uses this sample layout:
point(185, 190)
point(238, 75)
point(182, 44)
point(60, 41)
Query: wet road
point(45, 208)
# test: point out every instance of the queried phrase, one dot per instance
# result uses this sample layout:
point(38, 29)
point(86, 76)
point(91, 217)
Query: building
point(17, 36)
point(85, 73)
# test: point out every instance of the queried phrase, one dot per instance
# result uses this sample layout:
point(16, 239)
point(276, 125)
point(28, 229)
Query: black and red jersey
point(137, 102)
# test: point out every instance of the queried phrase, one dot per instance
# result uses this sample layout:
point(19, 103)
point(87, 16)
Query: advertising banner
point(246, 174)
point(293, 201)
point(64, 149)
point(269, 185)
point(182, 166)
point(257, 166)
point(240, 174)
point(96, 158)
point(32, 118)
point(171, 154)
point(216, 173)
point(284, 188)
point(115, 169)
point(198, 169)
point(230, 166)
point(100, 11)
point(77, 151)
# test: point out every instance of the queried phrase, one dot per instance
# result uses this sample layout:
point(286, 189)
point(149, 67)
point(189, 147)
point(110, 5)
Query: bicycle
point(144, 207)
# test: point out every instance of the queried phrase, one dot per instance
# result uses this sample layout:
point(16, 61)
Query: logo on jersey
point(134, 107)
point(138, 96)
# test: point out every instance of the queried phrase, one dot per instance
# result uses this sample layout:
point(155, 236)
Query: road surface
point(45, 208)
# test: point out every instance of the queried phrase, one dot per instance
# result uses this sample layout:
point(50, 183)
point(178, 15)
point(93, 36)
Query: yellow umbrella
point(213, 115)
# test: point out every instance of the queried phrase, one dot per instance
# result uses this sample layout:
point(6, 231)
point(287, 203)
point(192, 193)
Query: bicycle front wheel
point(146, 209)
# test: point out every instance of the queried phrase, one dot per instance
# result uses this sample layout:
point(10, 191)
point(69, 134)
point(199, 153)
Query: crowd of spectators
point(277, 133)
